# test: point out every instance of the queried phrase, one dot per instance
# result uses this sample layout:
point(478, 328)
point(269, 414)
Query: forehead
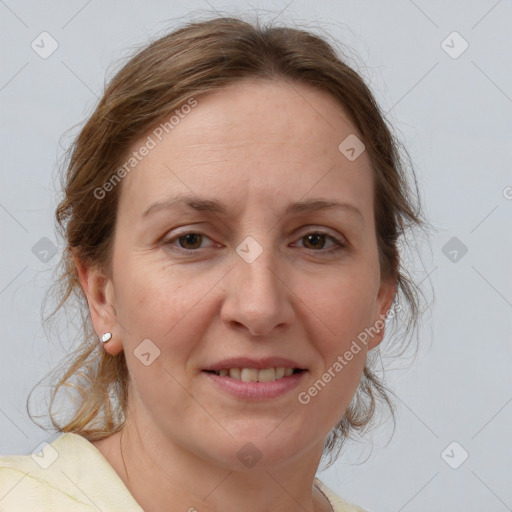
point(253, 112)
point(252, 139)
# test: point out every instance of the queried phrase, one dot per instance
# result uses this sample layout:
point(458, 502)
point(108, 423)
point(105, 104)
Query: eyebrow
point(217, 207)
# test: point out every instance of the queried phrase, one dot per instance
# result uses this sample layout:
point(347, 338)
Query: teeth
point(267, 375)
point(234, 373)
point(249, 375)
point(254, 375)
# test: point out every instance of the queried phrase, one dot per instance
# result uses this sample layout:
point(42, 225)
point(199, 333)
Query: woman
point(232, 211)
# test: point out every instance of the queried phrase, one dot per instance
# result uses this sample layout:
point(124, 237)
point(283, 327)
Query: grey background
point(455, 117)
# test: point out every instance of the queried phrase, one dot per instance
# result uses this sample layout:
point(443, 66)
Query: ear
point(383, 303)
point(99, 291)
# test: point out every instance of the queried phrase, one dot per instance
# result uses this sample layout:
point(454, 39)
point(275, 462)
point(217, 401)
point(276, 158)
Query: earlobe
point(98, 290)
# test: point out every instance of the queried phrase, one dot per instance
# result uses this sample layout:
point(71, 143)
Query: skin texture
point(257, 147)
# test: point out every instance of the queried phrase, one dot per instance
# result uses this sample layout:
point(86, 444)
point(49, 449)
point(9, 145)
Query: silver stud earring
point(106, 337)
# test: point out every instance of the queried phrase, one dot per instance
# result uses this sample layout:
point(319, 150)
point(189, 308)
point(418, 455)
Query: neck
point(159, 473)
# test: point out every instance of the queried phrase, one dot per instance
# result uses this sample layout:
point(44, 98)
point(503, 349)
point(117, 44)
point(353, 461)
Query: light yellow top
point(71, 475)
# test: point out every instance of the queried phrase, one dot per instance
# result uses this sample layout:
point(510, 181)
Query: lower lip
point(256, 390)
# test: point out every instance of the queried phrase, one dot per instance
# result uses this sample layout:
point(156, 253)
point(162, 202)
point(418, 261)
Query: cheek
point(328, 395)
point(164, 305)
point(344, 306)
point(158, 305)
point(149, 294)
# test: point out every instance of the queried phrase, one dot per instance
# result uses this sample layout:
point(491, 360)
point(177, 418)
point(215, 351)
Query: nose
point(258, 299)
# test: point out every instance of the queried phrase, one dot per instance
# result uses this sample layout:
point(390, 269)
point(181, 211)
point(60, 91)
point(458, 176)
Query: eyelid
point(170, 241)
point(322, 230)
point(338, 241)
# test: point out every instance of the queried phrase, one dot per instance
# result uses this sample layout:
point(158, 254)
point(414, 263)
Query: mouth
point(254, 375)
point(256, 384)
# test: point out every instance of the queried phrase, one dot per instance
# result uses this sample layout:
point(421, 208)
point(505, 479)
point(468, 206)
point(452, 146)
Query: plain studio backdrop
point(441, 71)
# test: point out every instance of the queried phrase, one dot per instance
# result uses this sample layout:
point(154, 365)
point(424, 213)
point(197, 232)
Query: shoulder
point(37, 479)
point(67, 474)
point(337, 503)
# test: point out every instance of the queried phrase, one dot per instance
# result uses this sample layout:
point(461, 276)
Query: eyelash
point(338, 244)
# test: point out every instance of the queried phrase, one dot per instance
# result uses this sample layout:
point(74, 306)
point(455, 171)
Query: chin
point(263, 451)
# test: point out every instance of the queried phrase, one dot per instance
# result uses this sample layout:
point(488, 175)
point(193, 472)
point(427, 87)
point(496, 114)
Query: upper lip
point(258, 364)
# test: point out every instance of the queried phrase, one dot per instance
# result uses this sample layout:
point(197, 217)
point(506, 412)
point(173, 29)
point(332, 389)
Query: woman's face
point(223, 249)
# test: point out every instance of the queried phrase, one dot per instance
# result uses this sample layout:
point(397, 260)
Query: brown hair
point(200, 57)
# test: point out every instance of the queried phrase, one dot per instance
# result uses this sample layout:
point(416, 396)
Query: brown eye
point(314, 240)
point(190, 241)
point(322, 243)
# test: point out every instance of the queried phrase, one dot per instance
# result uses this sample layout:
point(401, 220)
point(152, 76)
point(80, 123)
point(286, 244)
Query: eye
point(188, 241)
point(316, 241)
